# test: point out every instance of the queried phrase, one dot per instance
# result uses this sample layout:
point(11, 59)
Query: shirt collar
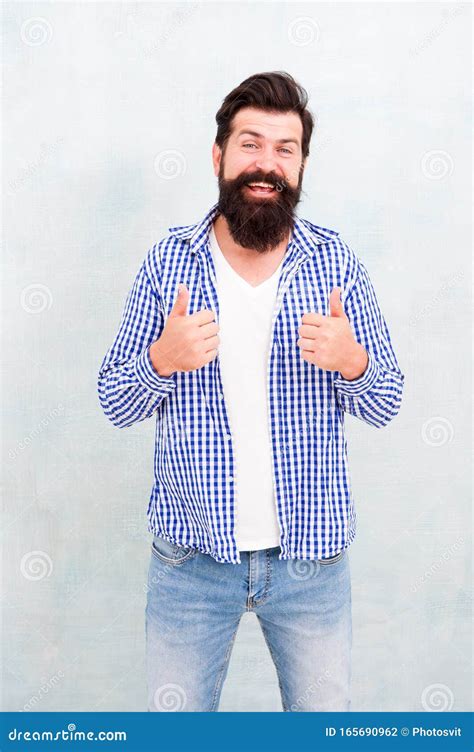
point(306, 235)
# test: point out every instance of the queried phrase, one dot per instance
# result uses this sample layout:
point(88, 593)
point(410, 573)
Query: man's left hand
point(328, 341)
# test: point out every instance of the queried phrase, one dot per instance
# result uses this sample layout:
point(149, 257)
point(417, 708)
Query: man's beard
point(260, 223)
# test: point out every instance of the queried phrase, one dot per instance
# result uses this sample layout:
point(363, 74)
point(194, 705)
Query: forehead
point(272, 125)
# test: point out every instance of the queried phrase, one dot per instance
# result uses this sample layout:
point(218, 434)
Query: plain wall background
point(108, 124)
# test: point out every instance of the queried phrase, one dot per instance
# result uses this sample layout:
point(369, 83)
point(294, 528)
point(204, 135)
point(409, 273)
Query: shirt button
point(221, 396)
point(231, 478)
point(229, 436)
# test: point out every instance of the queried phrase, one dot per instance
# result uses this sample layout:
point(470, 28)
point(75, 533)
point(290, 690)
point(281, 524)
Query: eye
point(248, 145)
point(288, 151)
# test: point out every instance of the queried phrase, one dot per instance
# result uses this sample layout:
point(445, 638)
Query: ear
point(216, 158)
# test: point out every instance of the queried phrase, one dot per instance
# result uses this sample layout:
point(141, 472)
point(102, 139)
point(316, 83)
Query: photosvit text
point(392, 731)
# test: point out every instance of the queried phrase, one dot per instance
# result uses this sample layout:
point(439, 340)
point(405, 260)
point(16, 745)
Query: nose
point(267, 161)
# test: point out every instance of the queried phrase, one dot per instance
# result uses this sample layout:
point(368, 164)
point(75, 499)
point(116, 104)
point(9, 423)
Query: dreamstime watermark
point(437, 431)
point(309, 427)
point(36, 565)
point(70, 734)
point(303, 30)
point(155, 579)
point(36, 31)
point(170, 164)
point(36, 298)
point(178, 434)
point(435, 32)
point(34, 433)
point(427, 308)
point(170, 698)
point(311, 689)
point(437, 565)
point(303, 569)
point(32, 169)
point(178, 19)
point(436, 164)
point(437, 698)
point(43, 690)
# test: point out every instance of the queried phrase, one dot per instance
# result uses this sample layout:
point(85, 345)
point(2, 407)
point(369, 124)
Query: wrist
point(160, 361)
point(357, 364)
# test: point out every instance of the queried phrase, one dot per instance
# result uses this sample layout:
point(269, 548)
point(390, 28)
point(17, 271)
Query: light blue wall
point(95, 96)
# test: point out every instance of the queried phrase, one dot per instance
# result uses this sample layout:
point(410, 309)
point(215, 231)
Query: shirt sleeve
point(129, 388)
point(375, 396)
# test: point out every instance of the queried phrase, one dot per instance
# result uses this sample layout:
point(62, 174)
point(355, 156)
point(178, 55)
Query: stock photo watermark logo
point(303, 30)
point(302, 700)
point(170, 164)
point(302, 569)
point(32, 169)
point(437, 565)
point(69, 734)
point(42, 691)
point(180, 17)
point(436, 164)
point(36, 31)
point(437, 698)
point(170, 698)
point(155, 578)
point(34, 433)
point(437, 431)
point(436, 31)
point(434, 303)
point(36, 298)
point(308, 425)
point(36, 565)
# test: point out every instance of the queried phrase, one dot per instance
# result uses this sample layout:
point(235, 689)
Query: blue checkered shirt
point(193, 498)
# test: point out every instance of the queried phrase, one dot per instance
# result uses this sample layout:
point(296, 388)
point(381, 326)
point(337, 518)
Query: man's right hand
point(186, 342)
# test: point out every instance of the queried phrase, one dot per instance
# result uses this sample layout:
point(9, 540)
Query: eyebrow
point(259, 135)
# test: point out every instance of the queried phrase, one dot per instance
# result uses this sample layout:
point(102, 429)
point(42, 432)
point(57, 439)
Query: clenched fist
point(186, 342)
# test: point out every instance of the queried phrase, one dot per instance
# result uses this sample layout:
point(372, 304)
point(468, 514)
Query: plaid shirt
point(193, 498)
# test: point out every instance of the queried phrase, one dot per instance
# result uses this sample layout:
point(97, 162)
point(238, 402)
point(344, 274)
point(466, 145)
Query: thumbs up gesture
point(187, 342)
point(328, 341)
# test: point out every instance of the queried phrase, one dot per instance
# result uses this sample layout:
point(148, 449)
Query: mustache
point(277, 182)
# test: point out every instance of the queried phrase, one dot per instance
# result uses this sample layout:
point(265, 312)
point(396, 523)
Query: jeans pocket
point(332, 559)
point(171, 553)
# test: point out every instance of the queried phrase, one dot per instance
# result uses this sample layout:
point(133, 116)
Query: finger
point(209, 330)
point(210, 355)
point(204, 316)
point(316, 319)
point(181, 303)
point(309, 331)
point(211, 344)
point(306, 344)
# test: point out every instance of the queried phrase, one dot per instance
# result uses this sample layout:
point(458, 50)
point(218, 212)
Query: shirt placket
point(209, 293)
point(289, 271)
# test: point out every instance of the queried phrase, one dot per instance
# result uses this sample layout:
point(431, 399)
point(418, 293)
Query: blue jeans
point(194, 605)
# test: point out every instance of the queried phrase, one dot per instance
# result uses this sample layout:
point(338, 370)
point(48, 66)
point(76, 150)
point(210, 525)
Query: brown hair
point(276, 91)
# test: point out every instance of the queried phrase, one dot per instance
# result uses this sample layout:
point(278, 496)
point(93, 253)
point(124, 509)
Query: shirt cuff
point(149, 377)
point(363, 383)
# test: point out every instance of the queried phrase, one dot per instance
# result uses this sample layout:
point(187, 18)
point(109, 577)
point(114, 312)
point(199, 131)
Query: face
point(263, 147)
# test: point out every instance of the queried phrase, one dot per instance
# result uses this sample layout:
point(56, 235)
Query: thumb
point(335, 304)
point(181, 302)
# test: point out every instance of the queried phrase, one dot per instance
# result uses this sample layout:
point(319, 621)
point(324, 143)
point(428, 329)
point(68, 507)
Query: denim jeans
point(194, 605)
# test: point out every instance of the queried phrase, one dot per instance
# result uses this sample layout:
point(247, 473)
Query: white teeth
point(262, 185)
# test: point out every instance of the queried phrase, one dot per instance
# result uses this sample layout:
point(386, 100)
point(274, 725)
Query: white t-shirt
point(245, 315)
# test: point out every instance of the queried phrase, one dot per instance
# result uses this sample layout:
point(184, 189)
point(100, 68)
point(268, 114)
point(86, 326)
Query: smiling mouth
point(261, 189)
